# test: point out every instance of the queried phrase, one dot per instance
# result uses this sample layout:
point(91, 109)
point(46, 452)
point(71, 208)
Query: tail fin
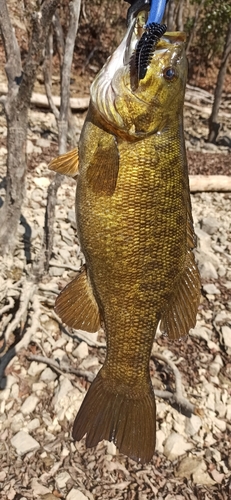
point(119, 416)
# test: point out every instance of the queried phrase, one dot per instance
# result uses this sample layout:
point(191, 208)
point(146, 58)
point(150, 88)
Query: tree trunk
point(169, 17)
point(66, 52)
point(213, 124)
point(20, 86)
point(180, 17)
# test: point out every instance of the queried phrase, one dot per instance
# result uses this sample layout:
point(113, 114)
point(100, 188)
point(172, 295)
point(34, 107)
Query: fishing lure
point(152, 34)
point(146, 47)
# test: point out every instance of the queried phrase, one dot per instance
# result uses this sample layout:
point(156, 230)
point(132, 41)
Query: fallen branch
point(40, 100)
point(205, 110)
point(63, 266)
point(27, 292)
point(61, 367)
point(26, 335)
point(7, 307)
point(216, 183)
point(176, 398)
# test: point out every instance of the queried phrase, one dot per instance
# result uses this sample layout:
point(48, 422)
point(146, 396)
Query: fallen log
point(199, 183)
point(40, 100)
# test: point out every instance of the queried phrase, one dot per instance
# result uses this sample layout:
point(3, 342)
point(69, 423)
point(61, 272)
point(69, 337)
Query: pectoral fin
point(67, 164)
point(103, 170)
point(76, 305)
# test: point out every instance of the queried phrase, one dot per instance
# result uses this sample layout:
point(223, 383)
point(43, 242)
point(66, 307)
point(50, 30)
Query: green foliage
point(212, 26)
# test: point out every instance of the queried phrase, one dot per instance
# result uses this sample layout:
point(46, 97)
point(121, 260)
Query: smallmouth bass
point(135, 229)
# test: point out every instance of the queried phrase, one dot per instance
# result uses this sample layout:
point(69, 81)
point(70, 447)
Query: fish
point(135, 227)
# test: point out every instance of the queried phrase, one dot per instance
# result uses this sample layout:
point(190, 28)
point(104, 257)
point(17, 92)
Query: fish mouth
point(121, 75)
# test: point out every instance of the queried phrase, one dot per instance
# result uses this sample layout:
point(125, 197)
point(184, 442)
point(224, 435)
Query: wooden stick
point(40, 100)
point(218, 183)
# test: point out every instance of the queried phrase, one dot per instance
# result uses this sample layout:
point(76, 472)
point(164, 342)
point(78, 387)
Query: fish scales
point(135, 229)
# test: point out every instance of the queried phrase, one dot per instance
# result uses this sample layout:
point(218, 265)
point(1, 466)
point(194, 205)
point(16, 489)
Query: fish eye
point(169, 74)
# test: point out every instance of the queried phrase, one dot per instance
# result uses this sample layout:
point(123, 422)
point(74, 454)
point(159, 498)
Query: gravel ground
point(48, 376)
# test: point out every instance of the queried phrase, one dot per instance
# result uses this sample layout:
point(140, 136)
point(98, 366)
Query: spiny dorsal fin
point(76, 305)
point(67, 164)
point(180, 314)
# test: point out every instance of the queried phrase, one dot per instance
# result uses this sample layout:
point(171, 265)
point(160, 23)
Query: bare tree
point(213, 124)
point(17, 102)
point(63, 116)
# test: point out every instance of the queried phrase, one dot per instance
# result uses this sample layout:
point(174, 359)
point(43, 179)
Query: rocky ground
point(52, 368)
point(45, 368)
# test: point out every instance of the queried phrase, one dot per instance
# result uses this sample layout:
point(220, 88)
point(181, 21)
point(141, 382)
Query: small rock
point(214, 369)
point(43, 143)
point(48, 375)
point(188, 466)
point(42, 182)
point(210, 224)
point(75, 494)
point(56, 271)
point(207, 270)
point(65, 254)
point(217, 476)
point(59, 354)
point(39, 387)
point(38, 489)
point(192, 425)
point(33, 424)
point(111, 448)
point(221, 271)
point(29, 404)
point(81, 351)
point(220, 424)
point(71, 218)
point(201, 332)
point(65, 386)
point(213, 453)
point(30, 148)
point(221, 410)
point(160, 437)
point(36, 368)
point(210, 403)
point(175, 445)
point(61, 479)
point(226, 336)
point(228, 413)
point(201, 476)
point(211, 289)
point(17, 422)
point(24, 443)
point(213, 346)
point(69, 346)
point(2, 476)
point(89, 362)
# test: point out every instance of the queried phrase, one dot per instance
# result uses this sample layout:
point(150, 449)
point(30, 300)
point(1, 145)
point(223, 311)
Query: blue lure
point(156, 11)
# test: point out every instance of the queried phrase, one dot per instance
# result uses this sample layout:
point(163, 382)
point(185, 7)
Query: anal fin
point(180, 315)
point(67, 164)
point(76, 305)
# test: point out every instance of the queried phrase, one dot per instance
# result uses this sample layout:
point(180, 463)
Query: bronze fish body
point(135, 229)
